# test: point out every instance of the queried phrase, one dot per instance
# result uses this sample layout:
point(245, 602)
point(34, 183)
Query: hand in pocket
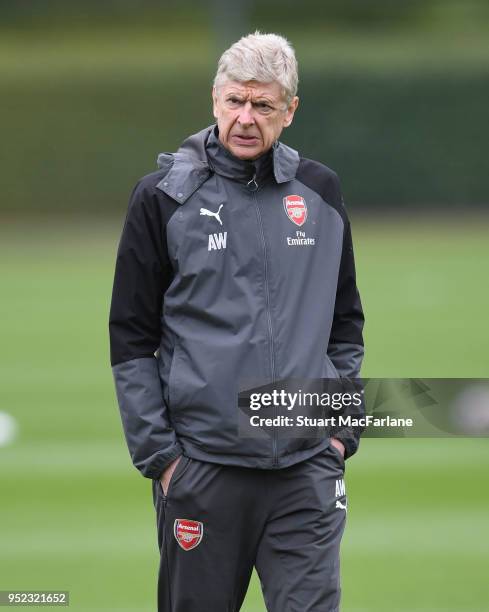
point(167, 474)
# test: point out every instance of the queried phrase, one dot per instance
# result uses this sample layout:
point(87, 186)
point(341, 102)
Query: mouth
point(245, 140)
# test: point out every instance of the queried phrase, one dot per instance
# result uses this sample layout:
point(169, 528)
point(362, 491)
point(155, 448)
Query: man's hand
point(339, 446)
point(167, 474)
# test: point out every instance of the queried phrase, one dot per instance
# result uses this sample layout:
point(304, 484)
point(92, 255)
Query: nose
point(245, 116)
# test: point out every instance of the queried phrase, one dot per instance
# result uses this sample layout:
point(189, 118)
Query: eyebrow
point(258, 100)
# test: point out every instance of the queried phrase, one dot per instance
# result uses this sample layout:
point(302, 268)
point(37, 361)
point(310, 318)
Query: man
point(236, 264)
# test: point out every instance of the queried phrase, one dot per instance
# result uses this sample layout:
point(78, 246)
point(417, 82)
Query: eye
point(264, 107)
point(233, 101)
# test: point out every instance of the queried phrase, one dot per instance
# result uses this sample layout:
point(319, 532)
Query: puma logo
point(209, 213)
point(340, 505)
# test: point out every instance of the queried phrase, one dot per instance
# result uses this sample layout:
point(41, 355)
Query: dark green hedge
point(396, 141)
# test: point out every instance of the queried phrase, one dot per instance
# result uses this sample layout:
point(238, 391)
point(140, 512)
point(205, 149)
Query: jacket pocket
point(172, 379)
point(329, 370)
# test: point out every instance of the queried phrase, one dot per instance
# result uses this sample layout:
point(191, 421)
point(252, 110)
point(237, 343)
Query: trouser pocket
point(337, 455)
point(178, 473)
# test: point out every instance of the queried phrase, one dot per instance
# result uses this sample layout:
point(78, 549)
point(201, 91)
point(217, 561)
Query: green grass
point(75, 515)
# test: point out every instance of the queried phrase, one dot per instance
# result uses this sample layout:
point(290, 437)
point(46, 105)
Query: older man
point(236, 264)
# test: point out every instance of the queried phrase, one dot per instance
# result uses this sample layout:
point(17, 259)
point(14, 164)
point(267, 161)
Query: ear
point(289, 113)
point(214, 102)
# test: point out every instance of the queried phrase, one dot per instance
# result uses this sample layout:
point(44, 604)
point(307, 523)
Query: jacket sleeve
point(345, 347)
point(142, 275)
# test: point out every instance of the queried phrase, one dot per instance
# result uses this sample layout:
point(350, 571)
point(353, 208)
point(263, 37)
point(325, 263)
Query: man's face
point(251, 116)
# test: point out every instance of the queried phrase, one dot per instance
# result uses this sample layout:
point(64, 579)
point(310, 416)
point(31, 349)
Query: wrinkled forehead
point(253, 89)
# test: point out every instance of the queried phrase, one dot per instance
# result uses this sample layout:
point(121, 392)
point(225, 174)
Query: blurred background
point(394, 97)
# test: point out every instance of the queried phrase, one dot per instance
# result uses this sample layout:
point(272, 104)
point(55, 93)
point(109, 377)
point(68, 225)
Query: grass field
point(74, 514)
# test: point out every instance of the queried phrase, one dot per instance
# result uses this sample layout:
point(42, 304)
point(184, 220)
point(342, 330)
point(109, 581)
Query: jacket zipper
point(253, 186)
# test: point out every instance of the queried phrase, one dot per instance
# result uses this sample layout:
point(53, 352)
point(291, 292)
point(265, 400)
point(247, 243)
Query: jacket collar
point(223, 162)
point(202, 153)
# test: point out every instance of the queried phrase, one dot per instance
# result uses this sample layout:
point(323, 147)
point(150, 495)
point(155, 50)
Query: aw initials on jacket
point(217, 241)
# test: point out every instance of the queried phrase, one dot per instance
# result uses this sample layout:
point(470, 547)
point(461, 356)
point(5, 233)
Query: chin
point(240, 154)
point(243, 154)
point(245, 157)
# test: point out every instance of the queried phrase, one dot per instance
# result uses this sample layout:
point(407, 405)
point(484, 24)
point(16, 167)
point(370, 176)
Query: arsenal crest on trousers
point(296, 209)
point(188, 533)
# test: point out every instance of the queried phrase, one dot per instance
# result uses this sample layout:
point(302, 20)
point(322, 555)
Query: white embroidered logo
point(209, 213)
point(340, 505)
point(340, 488)
point(217, 241)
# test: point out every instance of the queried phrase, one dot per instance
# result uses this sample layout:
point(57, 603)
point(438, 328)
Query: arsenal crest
point(296, 209)
point(188, 533)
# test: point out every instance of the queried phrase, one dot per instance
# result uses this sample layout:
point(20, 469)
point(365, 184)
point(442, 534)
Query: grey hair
point(260, 57)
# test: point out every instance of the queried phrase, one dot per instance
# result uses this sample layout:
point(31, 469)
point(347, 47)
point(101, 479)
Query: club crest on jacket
point(296, 209)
